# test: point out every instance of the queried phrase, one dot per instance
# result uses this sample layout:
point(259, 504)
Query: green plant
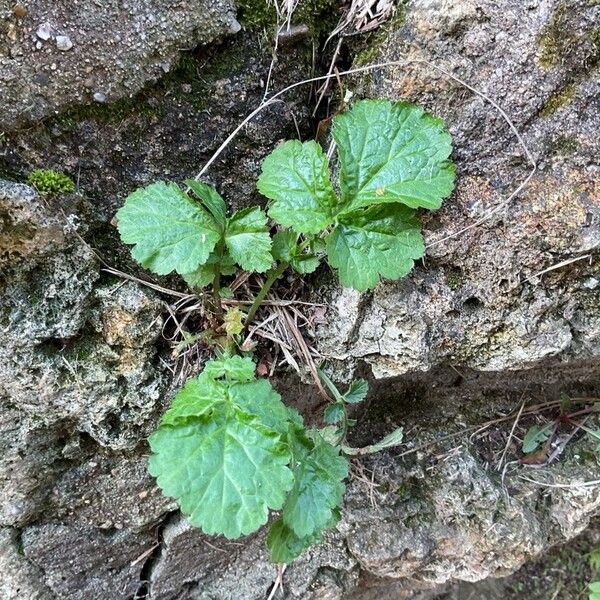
point(538, 438)
point(594, 587)
point(47, 181)
point(228, 449)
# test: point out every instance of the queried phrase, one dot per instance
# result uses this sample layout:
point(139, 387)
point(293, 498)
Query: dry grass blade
point(363, 16)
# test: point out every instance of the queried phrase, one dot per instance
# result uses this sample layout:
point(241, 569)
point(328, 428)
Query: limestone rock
point(510, 291)
point(61, 54)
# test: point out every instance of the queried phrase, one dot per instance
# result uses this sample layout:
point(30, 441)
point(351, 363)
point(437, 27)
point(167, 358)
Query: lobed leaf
point(285, 545)
point(285, 248)
point(318, 488)
point(392, 152)
point(381, 241)
point(234, 368)
point(226, 471)
point(536, 435)
point(205, 274)
point(295, 176)
point(248, 241)
point(357, 391)
point(169, 231)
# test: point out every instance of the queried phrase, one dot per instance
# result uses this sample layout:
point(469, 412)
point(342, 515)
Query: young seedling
point(228, 449)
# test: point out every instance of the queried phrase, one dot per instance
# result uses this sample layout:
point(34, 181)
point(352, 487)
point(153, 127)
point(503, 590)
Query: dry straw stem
point(397, 63)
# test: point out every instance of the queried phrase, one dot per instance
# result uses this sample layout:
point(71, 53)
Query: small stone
point(63, 42)
point(44, 31)
point(100, 97)
point(591, 283)
point(19, 11)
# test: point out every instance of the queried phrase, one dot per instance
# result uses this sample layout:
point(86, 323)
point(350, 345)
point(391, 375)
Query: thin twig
point(583, 484)
point(510, 436)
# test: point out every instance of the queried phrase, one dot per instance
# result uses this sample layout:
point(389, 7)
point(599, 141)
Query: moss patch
point(375, 39)
point(554, 39)
point(558, 100)
point(47, 181)
point(261, 17)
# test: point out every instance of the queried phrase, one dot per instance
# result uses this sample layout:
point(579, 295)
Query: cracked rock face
point(55, 54)
point(82, 384)
point(519, 287)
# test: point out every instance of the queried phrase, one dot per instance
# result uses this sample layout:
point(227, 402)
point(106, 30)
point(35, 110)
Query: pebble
point(100, 97)
point(591, 283)
point(63, 42)
point(44, 31)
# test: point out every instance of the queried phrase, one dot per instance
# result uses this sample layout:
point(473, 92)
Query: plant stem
point(216, 285)
point(272, 276)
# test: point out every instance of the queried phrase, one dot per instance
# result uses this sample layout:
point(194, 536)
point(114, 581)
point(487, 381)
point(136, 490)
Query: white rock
point(44, 31)
point(63, 42)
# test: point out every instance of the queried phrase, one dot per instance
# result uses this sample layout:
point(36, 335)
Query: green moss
point(559, 39)
point(260, 16)
point(375, 39)
point(565, 145)
point(554, 38)
point(257, 15)
point(454, 279)
point(558, 100)
point(47, 181)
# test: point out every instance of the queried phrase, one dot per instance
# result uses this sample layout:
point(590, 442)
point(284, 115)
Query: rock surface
point(82, 372)
point(63, 53)
point(519, 287)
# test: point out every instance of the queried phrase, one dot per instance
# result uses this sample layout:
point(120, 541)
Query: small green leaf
point(334, 413)
point(226, 471)
point(234, 321)
point(169, 230)
point(295, 177)
point(285, 545)
point(357, 391)
point(392, 152)
point(305, 263)
point(595, 559)
point(248, 240)
point(233, 368)
point(536, 435)
point(318, 489)
point(379, 241)
point(389, 441)
point(285, 244)
point(594, 590)
point(285, 248)
point(211, 199)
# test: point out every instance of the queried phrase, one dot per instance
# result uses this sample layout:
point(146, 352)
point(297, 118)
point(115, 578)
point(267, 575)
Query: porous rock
point(503, 284)
point(62, 53)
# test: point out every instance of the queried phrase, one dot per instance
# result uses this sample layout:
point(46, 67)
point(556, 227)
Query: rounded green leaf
point(248, 240)
point(392, 152)
point(170, 231)
point(318, 489)
point(226, 472)
point(295, 176)
point(381, 241)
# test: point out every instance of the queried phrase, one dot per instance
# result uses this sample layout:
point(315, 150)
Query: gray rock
point(20, 577)
point(121, 47)
point(510, 292)
point(77, 358)
point(63, 42)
